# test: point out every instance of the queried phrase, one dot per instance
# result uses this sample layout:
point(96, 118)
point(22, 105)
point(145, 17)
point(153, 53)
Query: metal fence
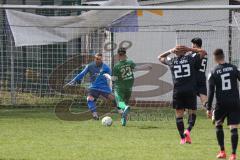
point(34, 75)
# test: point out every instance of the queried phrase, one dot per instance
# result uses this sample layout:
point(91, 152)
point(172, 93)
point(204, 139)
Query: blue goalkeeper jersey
point(97, 79)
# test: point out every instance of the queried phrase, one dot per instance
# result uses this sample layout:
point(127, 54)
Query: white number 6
point(226, 83)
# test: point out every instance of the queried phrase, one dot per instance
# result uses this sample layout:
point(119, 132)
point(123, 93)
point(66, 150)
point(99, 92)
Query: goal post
point(42, 51)
point(119, 7)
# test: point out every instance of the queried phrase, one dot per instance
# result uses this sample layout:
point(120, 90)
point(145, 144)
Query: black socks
point(220, 137)
point(180, 126)
point(191, 121)
point(234, 140)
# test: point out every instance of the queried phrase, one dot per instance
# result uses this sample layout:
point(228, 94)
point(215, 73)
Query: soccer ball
point(107, 121)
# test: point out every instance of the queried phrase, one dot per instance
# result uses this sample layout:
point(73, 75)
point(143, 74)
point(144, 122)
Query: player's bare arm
point(164, 55)
point(200, 51)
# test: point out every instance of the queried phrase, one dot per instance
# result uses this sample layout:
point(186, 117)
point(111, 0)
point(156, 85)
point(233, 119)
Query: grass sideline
point(37, 134)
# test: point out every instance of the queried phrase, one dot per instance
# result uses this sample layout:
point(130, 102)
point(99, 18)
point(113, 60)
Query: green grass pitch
point(32, 134)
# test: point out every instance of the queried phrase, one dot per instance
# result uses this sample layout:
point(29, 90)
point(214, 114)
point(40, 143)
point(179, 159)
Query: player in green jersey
point(124, 80)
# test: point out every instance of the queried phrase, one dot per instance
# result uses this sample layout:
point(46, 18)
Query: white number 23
point(182, 71)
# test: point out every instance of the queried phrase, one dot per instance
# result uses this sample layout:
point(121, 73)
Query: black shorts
point(186, 100)
point(201, 88)
point(233, 116)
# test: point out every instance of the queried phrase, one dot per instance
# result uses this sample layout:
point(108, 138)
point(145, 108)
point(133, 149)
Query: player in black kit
point(201, 72)
point(224, 79)
point(183, 68)
point(201, 87)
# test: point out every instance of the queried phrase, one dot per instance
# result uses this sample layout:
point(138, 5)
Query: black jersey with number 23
point(183, 71)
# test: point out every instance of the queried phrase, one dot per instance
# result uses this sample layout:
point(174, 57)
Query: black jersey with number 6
point(183, 71)
point(224, 79)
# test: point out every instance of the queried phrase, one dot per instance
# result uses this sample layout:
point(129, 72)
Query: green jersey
point(123, 71)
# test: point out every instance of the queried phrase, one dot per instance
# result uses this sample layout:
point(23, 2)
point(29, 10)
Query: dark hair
point(98, 55)
point(219, 54)
point(122, 51)
point(197, 41)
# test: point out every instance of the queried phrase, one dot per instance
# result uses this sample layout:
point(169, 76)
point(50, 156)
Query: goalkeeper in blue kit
point(100, 85)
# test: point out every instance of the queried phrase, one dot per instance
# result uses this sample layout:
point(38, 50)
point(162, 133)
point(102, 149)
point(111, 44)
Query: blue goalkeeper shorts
point(96, 93)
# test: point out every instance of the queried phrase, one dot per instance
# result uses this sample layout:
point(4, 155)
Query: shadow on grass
point(148, 127)
point(25, 113)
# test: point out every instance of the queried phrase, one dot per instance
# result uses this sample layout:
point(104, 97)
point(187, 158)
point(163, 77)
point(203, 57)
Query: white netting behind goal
point(39, 54)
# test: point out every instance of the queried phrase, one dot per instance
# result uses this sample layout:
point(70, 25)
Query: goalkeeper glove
point(107, 76)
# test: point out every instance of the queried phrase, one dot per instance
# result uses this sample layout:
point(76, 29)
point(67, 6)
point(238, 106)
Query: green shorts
point(122, 97)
